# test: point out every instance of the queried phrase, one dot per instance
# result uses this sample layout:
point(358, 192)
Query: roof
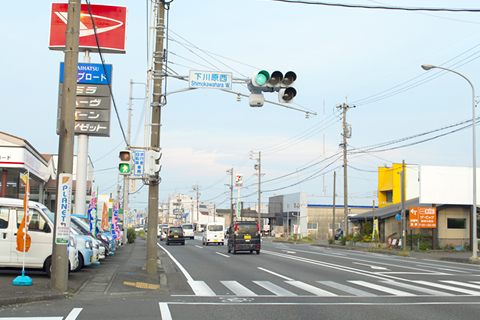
point(389, 211)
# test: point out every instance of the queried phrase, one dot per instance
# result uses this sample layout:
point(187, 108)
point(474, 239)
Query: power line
point(356, 6)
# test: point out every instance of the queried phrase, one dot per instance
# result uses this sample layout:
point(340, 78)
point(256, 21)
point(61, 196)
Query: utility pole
point(404, 224)
point(258, 167)
point(346, 134)
point(126, 178)
point(59, 275)
point(157, 102)
point(231, 194)
point(333, 221)
point(196, 188)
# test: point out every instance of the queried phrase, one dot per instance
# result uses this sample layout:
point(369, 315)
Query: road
point(287, 282)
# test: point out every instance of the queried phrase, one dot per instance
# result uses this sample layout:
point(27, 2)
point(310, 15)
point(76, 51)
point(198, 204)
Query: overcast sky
point(366, 58)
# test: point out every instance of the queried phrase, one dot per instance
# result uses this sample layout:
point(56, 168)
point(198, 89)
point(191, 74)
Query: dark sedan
point(175, 235)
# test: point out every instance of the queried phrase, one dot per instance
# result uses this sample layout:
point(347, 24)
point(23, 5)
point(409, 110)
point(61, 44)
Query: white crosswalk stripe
point(332, 288)
point(382, 288)
point(276, 290)
point(238, 289)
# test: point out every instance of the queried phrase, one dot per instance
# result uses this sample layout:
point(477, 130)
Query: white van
point(188, 231)
point(40, 230)
point(213, 233)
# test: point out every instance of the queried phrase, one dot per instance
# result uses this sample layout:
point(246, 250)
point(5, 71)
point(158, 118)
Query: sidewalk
point(121, 273)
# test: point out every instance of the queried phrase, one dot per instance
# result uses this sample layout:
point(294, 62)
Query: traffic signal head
point(262, 81)
point(125, 165)
point(152, 162)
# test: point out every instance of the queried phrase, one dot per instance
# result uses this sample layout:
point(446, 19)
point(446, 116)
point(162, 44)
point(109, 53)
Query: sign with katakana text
point(91, 73)
point(423, 217)
point(210, 80)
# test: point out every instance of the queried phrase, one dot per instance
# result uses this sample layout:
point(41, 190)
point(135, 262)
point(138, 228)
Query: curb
point(38, 298)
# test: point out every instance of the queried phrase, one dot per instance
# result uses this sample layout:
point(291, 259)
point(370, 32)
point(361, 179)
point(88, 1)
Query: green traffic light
point(262, 77)
point(124, 168)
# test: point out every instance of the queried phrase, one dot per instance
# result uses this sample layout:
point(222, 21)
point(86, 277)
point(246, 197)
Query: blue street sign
point(91, 73)
point(139, 163)
point(398, 216)
point(210, 80)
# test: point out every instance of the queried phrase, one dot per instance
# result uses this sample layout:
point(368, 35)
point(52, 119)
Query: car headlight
point(88, 245)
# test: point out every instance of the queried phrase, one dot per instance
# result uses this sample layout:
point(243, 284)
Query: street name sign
point(210, 80)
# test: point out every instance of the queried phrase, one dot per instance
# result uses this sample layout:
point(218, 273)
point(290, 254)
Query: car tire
point(183, 243)
point(228, 249)
point(234, 251)
point(206, 243)
point(168, 243)
point(81, 262)
point(251, 251)
point(48, 266)
point(258, 251)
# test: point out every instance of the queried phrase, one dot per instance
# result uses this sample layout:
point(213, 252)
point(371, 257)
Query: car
point(40, 230)
point(188, 231)
point(87, 254)
point(159, 230)
point(163, 236)
point(175, 235)
point(244, 236)
point(138, 228)
point(213, 234)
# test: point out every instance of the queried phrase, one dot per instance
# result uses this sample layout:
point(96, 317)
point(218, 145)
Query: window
point(453, 223)
point(215, 228)
point(37, 222)
point(312, 226)
point(337, 226)
point(4, 218)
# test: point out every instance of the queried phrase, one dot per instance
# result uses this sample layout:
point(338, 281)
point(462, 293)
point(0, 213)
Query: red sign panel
point(110, 22)
point(423, 217)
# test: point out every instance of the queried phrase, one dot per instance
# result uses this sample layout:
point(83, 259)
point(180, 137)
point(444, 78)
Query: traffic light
point(125, 166)
point(263, 81)
point(152, 162)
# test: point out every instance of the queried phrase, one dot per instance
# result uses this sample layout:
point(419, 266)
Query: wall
point(457, 237)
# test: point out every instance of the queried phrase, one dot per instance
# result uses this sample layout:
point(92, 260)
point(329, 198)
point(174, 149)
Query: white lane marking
point(357, 292)
point(201, 288)
point(373, 267)
point(165, 311)
point(293, 252)
point(198, 246)
point(445, 269)
point(33, 318)
point(276, 290)
point(275, 274)
point(333, 303)
point(74, 314)
point(185, 273)
point(381, 288)
point(458, 283)
point(223, 254)
point(442, 286)
point(417, 288)
point(238, 289)
point(312, 289)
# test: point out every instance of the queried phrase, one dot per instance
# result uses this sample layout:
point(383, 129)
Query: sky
point(369, 59)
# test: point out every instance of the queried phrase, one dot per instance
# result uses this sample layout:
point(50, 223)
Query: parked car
point(244, 236)
point(175, 235)
point(86, 252)
point(41, 229)
point(188, 231)
point(83, 225)
point(213, 234)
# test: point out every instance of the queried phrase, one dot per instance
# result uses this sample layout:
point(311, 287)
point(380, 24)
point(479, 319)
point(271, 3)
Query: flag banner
point(104, 225)
point(64, 209)
point(92, 214)
point(23, 238)
point(115, 228)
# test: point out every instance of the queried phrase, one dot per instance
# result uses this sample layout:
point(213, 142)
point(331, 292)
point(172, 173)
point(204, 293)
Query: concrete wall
point(457, 237)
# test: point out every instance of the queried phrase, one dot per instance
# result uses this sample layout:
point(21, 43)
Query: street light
point(474, 207)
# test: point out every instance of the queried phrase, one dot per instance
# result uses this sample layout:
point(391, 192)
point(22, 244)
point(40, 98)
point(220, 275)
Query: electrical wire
point(376, 7)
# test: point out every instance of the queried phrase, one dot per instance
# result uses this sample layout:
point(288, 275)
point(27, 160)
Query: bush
point(131, 235)
point(141, 233)
point(343, 240)
point(307, 239)
point(424, 246)
point(331, 241)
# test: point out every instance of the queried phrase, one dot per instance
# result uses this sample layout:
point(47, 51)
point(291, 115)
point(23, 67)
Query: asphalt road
point(284, 282)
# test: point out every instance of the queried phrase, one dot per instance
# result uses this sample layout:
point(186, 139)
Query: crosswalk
point(349, 288)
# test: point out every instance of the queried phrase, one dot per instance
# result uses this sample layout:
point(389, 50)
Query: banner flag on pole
point(23, 238)
point(105, 217)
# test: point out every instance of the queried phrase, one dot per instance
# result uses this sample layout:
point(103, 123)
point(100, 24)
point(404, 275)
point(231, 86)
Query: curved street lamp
point(474, 207)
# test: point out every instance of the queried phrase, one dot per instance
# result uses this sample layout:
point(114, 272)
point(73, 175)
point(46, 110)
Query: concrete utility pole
point(196, 188)
point(333, 222)
point(59, 276)
point(126, 178)
point(157, 96)
point(231, 194)
point(259, 186)
point(404, 223)
point(346, 134)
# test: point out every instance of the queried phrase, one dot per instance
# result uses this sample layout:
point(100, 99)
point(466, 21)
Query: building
point(390, 185)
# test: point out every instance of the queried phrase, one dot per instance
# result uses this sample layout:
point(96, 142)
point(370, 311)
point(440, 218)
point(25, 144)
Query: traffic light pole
point(157, 96)
point(59, 260)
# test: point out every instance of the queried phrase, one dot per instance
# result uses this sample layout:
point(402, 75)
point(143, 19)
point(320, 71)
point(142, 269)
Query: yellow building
point(390, 184)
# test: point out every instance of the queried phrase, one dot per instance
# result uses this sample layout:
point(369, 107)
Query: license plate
point(175, 236)
point(215, 240)
point(247, 237)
